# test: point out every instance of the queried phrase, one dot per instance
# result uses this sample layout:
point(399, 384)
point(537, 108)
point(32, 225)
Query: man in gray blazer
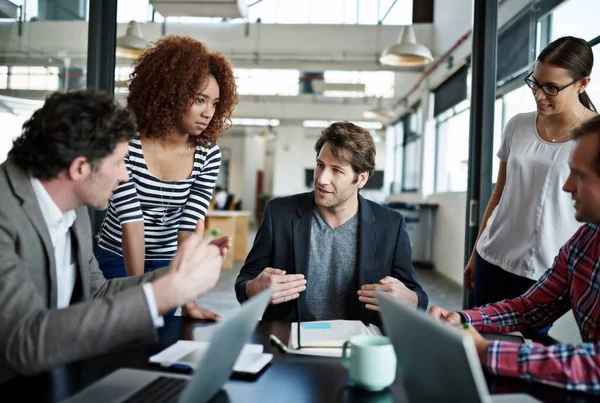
point(55, 305)
point(326, 253)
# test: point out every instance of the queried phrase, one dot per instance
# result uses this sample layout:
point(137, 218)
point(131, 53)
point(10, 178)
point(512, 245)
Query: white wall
point(247, 158)
point(449, 234)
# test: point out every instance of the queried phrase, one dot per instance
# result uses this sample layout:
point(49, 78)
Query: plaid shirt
point(572, 282)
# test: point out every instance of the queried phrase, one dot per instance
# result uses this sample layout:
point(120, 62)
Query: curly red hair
point(164, 83)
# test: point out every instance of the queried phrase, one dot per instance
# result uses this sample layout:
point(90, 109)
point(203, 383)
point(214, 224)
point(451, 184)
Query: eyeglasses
point(548, 89)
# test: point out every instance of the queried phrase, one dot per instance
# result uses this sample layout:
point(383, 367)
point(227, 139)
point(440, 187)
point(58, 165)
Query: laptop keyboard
point(163, 389)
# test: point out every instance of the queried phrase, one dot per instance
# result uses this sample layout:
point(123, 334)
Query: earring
point(581, 90)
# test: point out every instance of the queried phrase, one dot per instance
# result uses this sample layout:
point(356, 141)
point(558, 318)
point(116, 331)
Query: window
point(377, 83)
point(593, 90)
point(514, 51)
point(11, 129)
point(332, 12)
point(452, 161)
point(520, 100)
point(34, 78)
point(267, 82)
point(398, 134)
point(575, 18)
point(3, 76)
point(411, 150)
point(498, 126)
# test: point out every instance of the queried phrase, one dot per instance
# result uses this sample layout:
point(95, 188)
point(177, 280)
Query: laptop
point(213, 370)
point(435, 361)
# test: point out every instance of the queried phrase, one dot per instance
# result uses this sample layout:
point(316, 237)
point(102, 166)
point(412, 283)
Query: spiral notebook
point(326, 338)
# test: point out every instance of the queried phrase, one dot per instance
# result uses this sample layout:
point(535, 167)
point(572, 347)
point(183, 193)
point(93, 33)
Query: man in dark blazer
point(325, 253)
point(55, 304)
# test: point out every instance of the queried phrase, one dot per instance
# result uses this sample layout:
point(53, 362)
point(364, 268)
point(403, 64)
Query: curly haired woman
point(183, 96)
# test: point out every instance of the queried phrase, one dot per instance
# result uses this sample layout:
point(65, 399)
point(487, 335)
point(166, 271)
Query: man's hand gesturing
point(286, 287)
point(194, 270)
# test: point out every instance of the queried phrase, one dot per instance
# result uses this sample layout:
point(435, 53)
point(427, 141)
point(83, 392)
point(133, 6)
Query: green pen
point(278, 343)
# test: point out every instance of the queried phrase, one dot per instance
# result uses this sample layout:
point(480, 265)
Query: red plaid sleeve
point(565, 366)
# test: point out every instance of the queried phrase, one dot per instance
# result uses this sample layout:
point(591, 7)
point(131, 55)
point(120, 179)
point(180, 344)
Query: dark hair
point(86, 123)
point(576, 56)
point(165, 80)
point(591, 126)
point(349, 143)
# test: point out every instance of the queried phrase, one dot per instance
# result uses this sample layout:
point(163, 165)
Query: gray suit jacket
point(34, 334)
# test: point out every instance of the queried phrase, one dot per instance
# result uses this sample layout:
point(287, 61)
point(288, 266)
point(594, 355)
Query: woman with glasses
point(529, 217)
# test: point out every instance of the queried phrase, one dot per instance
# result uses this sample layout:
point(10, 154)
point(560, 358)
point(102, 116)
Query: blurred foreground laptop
point(436, 362)
point(213, 370)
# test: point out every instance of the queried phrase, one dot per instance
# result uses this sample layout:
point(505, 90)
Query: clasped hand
point(455, 319)
point(390, 285)
point(286, 287)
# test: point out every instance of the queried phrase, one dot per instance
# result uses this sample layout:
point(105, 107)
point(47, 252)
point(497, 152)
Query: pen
point(213, 235)
point(186, 369)
point(278, 343)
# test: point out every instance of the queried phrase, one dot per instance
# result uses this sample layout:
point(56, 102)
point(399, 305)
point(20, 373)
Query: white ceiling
point(201, 8)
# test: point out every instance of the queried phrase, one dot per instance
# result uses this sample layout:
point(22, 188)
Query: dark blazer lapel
point(22, 187)
point(82, 265)
point(301, 234)
point(366, 242)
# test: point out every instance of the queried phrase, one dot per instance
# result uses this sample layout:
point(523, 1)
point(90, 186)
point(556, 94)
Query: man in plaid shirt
point(572, 283)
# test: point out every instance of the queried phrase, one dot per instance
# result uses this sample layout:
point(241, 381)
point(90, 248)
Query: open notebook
point(187, 353)
point(326, 338)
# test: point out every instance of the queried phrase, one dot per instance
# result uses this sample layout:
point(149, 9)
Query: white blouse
point(534, 217)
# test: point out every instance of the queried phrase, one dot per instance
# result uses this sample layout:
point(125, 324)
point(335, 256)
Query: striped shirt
point(165, 207)
point(573, 283)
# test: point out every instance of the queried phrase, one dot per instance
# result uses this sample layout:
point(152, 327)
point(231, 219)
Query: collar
point(53, 216)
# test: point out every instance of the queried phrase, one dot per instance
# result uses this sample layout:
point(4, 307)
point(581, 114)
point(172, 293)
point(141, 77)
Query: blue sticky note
point(322, 325)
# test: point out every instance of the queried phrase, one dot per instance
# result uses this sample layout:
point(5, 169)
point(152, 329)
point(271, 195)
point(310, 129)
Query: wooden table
point(234, 224)
point(289, 378)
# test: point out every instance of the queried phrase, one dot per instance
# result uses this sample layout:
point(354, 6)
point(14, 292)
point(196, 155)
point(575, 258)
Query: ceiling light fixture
point(132, 44)
point(407, 52)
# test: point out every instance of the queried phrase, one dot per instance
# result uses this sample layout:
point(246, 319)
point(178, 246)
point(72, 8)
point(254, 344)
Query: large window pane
point(267, 82)
point(11, 128)
point(137, 10)
point(576, 18)
point(3, 76)
point(329, 12)
point(377, 83)
point(35, 78)
point(398, 139)
point(498, 125)
point(293, 12)
point(367, 12)
point(593, 89)
point(453, 153)
point(400, 13)
point(520, 100)
point(412, 164)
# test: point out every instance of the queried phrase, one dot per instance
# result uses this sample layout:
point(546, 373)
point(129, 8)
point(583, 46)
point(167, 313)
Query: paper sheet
point(189, 352)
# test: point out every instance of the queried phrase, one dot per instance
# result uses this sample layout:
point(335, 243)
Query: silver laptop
point(213, 370)
point(436, 362)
